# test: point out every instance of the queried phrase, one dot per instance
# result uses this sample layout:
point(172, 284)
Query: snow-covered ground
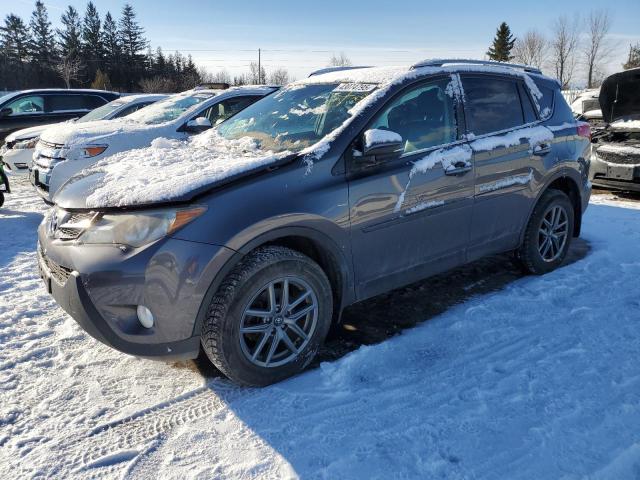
point(539, 380)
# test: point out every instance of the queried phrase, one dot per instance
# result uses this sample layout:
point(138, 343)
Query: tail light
point(584, 130)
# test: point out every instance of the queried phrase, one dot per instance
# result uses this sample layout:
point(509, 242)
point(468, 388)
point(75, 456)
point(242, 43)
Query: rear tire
point(269, 317)
point(1, 199)
point(548, 234)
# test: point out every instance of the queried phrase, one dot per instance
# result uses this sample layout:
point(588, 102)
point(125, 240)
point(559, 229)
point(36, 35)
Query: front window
point(101, 112)
point(169, 109)
point(424, 116)
point(25, 105)
point(296, 117)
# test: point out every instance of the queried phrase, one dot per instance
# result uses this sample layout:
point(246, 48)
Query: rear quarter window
point(66, 103)
point(491, 104)
point(546, 101)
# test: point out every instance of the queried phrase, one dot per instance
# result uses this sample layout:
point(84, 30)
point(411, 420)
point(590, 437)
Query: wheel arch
point(309, 241)
point(565, 182)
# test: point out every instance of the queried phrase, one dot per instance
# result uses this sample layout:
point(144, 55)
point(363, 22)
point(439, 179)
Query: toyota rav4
point(337, 188)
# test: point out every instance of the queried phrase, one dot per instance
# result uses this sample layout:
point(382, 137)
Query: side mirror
point(197, 125)
point(5, 112)
point(382, 144)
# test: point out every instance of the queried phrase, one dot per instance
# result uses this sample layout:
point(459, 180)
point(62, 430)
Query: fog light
point(145, 316)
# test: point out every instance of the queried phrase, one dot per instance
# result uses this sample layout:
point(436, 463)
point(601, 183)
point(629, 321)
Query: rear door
point(410, 216)
point(508, 147)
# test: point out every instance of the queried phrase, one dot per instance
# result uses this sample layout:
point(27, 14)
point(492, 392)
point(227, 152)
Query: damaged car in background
point(615, 162)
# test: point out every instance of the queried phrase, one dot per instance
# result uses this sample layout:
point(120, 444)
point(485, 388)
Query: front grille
point(624, 157)
point(51, 145)
point(59, 273)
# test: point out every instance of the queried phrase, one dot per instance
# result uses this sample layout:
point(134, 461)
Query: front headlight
point(138, 228)
point(25, 144)
point(93, 150)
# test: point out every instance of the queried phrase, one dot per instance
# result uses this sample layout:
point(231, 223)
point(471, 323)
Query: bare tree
point(158, 84)
point(596, 47)
point(69, 69)
point(531, 49)
point(279, 76)
point(339, 61)
point(256, 74)
point(564, 42)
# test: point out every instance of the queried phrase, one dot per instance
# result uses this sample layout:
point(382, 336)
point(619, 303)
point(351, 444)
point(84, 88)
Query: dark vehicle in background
point(29, 108)
point(386, 179)
point(615, 162)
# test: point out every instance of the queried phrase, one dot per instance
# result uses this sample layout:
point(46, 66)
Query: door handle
point(542, 149)
point(459, 168)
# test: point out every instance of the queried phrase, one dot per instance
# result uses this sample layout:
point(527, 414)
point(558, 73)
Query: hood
point(116, 133)
point(169, 171)
point(620, 95)
point(26, 133)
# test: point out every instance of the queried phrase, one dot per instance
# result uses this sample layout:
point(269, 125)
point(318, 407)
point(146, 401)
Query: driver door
point(410, 215)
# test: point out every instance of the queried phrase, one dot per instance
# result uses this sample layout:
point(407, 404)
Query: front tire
point(269, 317)
point(548, 235)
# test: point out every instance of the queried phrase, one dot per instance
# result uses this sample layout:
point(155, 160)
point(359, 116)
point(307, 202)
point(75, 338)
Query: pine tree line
point(88, 51)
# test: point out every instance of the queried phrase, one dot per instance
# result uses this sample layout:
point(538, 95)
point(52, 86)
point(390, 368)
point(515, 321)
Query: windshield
point(102, 112)
point(296, 117)
point(169, 109)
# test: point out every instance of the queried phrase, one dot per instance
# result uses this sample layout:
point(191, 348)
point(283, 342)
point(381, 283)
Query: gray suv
point(249, 242)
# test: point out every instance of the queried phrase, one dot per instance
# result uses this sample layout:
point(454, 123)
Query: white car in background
point(587, 105)
point(17, 151)
point(66, 149)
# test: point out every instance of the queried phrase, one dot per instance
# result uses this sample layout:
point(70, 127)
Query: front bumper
point(100, 288)
point(616, 176)
point(17, 161)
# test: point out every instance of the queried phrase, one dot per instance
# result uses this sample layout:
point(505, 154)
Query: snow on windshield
point(295, 118)
point(169, 109)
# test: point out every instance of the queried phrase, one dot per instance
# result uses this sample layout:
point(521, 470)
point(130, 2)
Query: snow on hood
point(620, 95)
point(167, 170)
point(626, 124)
point(26, 133)
point(99, 131)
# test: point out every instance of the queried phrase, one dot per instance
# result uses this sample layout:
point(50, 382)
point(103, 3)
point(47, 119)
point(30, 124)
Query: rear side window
point(93, 101)
point(66, 103)
point(227, 108)
point(546, 100)
point(491, 104)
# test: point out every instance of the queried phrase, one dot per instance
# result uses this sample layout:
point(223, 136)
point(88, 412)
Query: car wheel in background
point(548, 234)
point(269, 317)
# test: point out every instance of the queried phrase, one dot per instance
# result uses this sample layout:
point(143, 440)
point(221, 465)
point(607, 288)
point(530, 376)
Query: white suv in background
point(66, 149)
point(17, 151)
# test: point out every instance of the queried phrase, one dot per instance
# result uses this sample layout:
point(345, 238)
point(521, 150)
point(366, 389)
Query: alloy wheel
point(553, 233)
point(278, 322)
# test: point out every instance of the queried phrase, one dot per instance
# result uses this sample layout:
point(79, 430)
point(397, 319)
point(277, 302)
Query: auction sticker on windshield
point(356, 87)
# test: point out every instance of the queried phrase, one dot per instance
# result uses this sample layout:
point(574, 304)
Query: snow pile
point(626, 124)
point(537, 380)
point(171, 168)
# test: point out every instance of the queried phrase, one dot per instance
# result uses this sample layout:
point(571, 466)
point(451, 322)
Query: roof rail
point(464, 61)
point(336, 69)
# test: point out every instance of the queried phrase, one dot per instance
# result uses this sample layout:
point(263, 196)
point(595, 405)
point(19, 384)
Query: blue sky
point(302, 36)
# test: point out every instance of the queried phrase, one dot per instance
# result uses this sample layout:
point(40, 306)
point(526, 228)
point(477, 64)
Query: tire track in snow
point(121, 442)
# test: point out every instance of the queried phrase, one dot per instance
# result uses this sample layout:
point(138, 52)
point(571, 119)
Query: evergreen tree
point(159, 63)
point(503, 42)
point(92, 48)
point(634, 57)
point(132, 42)
point(69, 35)
point(131, 35)
point(112, 50)
point(42, 45)
point(15, 39)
